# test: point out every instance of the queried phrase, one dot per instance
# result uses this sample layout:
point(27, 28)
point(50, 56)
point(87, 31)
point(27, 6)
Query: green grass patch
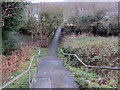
point(91, 80)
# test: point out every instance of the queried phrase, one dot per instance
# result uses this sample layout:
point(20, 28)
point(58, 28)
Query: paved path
point(52, 74)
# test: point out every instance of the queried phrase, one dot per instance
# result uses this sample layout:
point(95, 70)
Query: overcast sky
point(35, 1)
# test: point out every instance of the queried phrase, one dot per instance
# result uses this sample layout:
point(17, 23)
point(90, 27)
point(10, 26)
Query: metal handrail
point(87, 66)
point(28, 70)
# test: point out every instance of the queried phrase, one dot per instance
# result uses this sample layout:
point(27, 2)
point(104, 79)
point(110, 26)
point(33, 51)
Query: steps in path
point(52, 74)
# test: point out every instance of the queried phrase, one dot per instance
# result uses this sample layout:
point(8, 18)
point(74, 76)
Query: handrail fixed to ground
point(87, 66)
point(28, 70)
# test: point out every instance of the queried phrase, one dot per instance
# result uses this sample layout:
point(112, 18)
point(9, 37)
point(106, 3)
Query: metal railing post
point(63, 62)
point(85, 74)
point(68, 62)
point(29, 78)
point(36, 64)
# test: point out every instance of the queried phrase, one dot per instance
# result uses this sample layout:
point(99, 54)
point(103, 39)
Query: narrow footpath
point(51, 72)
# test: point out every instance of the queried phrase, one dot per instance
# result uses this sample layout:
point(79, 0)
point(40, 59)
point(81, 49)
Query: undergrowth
point(95, 51)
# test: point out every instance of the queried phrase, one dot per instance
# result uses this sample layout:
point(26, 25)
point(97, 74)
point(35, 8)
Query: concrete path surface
point(52, 74)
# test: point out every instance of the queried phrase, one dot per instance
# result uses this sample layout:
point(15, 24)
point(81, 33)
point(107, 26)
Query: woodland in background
point(12, 20)
point(97, 23)
point(16, 19)
point(41, 20)
point(43, 26)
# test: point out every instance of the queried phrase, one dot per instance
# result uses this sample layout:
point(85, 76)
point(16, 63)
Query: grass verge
point(22, 82)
